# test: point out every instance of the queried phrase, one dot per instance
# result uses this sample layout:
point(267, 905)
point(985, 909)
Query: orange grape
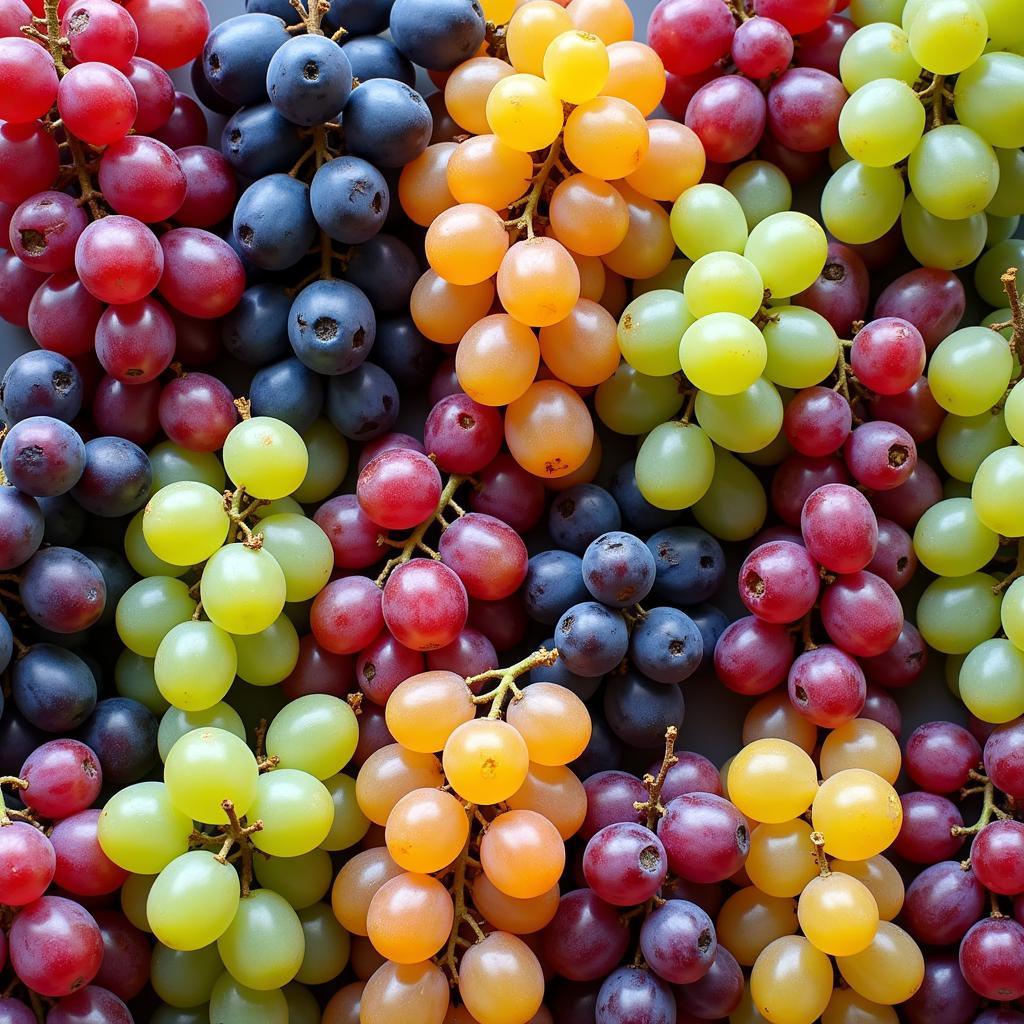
point(423, 184)
point(410, 918)
point(538, 282)
point(501, 980)
point(674, 161)
point(388, 774)
point(849, 1007)
point(465, 244)
point(557, 793)
point(588, 215)
point(467, 89)
point(611, 20)
point(530, 32)
point(509, 914)
point(881, 878)
point(861, 743)
point(524, 112)
point(781, 860)
point(648, 247)
point(426, 830)
point(497, 360)
point(364, 958)
point(522, 853)
point(606, 137)
point(443, 312)
point(774, 717)
point(553, 721)
point(749, 920)
point(582, 349)
point(549, 430)
point(485, 761)
point(592, 276)
point(585, 474)
point(409, 992)
point(357, 883)
point(616, 291)
point(636, 74)
point(889, 971)
point(576, 66)
point(424, 710)
point(498, 11)
point(484, 170)
point(343, 1006)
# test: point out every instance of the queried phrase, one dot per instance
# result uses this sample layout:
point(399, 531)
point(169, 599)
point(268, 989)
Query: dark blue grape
point(205, 93)
point(362, 404)
point(273, 224)
point(256, 330)
point(689, 564)
point(554, 582)
point(41, 383)
point(21, 527)
point(387, 123)
point(117, 574)
point(18, 738)
point(591, 638)
point(359, 17)
point(258, 141)
point(117, 478)
point(6, 646)
point(406, 355)
point(603, 751)
point(279, 8)
point(583, 686)
point(62, 590)
point(438, 34)
point(122, 733)
point(350, 199)
point(637, 511)
point(331, 327)
point(639, 710)
point(387, 271)
point(309, 80)
point(376, 57)
point(288, 391)
point(666, 645)
point(237, 54)
point(618, 569)
point(53, 688)
point(712, 623)
point(43, 456)
point(63, 520)
point(634, 995)
point(580, 515)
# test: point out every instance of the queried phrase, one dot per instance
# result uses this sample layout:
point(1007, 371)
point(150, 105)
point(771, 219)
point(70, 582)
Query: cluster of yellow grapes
point(471, 850)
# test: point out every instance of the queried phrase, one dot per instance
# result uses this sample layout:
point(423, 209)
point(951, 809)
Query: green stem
point(507, 680)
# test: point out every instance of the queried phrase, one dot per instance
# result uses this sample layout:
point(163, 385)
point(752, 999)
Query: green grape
point(675, 465)
point(735, 505)
point(243, 589)
point(970, 371)
point(945, 244)
point(723, 282)
point(761, 188)
point(1009, 198)
point(207, 766)
point(1005, 27)
point(951, 670)
point(266, 456)
point(910, 11)
point(279, 507)
point(149, 610)
point(1013, 413)
point(349, 824)
point(176, 722)
point(947, 36)
point(992, 681)
point(193, 900)
point(134, 894)
point(868, 12)
point(723, 353)
point(771, 454)
point(998, 491)
point(300, 880)
point(139, 556)
point(882, 122)
point(267, 657)
point(837, 156)
point(671, 278)
point(1000, 229)
point(878, 50)
point(860, 203)
point(263, 946)
point(328, 462)
point(165, 1014)
point(195, 665)
point(1001, 316)
point(746, 422)
point(256, 702)
point(649, 331)
point(989, 270)
point(953, 488)
point(955, 614)
point(133, 677)
point(141, 830)
point(950, 540)
point(185, 522)
point(327, 945)
point(232, 1003)
point(184, 977)
point(171, 464)
point(302, 550)
point(1012, 613)
point(296, 811)
point(630, 402)
point(708, 218)
point(803, 347)
point(953, 172)
point(963, 443)
point(316, 733)
point(789, 249)
point(989, 98)
point(302, 1005)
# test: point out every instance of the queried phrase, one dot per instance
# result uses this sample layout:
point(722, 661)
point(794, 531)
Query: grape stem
point(524, 222)
point(233, 507)
point(934, 96)
point(15, 783)
point(237, 833)
point(988, 810)
point(264, 763)
point(507, 680)
point(653, 805)
point(993, 905)
point(1016, 321)
point(462, 914)
point(819, 854)
point(1018, 571)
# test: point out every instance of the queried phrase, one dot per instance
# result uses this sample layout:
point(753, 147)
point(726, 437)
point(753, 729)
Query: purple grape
point(586, 939)
point(895, 560)
point(925, 836)
point(53, 688)
point(678, 941)
point(939, 756)
point(41, 383)
point(718, 993)
point(43, 456)
point(554, 583)
point(22, 528)
point(13, 1011)
point(123, 734)
point(692, 773)
point(997, 857)
point(90, 1005)
point(942, 903)
point(1004, 758)
point(618, 569)
point(62, 590)
point(625, 864)
point(706, 838)
point(992, 958)
point(611, 796)
point(944, 995)
point(902, 663)
point(827, 686)
point(117, 478)
point(633, 995)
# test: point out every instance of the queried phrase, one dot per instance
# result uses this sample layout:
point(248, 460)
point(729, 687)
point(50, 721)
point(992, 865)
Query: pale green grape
point(945, 244)
point(963, 443)
point(176, 722)
point(184, 977)
point(302, 1005)
point(296, 811)
point(671, 278)
point(878, 50)
point(951, 670)
point(882, 122)
point(953, 488)
point(134, 894)
point(267, 657)
point(316, 733)
point(1012, 613)
point(955, 614)
point(171, 463)
point(761, 188)
point(1001, 316)
point(837, 156)
point(989, 270)
point(723, 353)
point(1009, 198)
point(300, 880)
point(266, 456)
point(243, 589)
point(868, 12)
point(989, 97)
point(723, 282)
point(771, 454)
point(232, 1003)
point(139, 556)
point(950, 540)
point(675, 465)
point(803, 347)
point(1005, 26)
point(970, 371)
point(279, 507)
point(133, 677)
point(630, 402)
point(195, 665)
point(953, 172)
point(302, 550)
point(1000, 229)
point(1013, 412)
point(947, 36)
point(742, 423)
point(735, 506)
point(141, 830)
point(789, 249)
point(992, 681)
point(263, 946)
point(207, 766)
point(649, 331)
point(193, 900)
point(328, 462)
point(998, 491)
point(860, 203)
point(909, 13)
point(708, 218)
point(185, 522)
point(149, 610)
point(327, 945)
point(349, 824)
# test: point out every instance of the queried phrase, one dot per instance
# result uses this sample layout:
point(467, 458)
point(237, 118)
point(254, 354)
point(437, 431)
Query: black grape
point(117, 574)
point(279, 8)
point(554, 583)
point(359, 16)
point(258, 141)
point(63, 519)
point(122, 733)
point(205, 93)
point(387, 123)
point(331, 326)
point(237, 54)
point(583, 686)
point(639, 710)
point(350, 199)
point(376, 57)
point(439, 34)
point(273, 224)
point(591, 638)
point(288, 391)
point(603, 751)
point(580, 515)
point(689, 563)
point(406, 355)
point(387, 270)
point(117, 477)
point(22, 527)
point(666, 645)
point(362, 404)
point(256, 330)
point(41, 383)
point(53, 688)
point(637, 511)
point(309, 80)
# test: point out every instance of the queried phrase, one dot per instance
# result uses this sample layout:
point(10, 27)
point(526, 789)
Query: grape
point(991, 957)
point(705, 837)
point(258, 141)
point(43, 456)
point(954, 198)
point(762, 47)
point(29, 862)
point(55, 946)
point(64, 777)
point(384, 664)
point(21, 527)
point(610, 799)
point(839, 528)
point(316, 733)
point(234, 1003)
point(53, 688)
point(690, 35)
point(827, 686)
point(586, 938)
point(779, 582)
point(424, 604)
point(995, 857)
point(29, 80)
point(185, 975)
point(44, 231)
point(273, 223)
point(591, 638)
point(666, 645)
point(265, 918)
point(817, 421)
point(753, 656)
point(126, 955)
point(82, 866)
point(932, 300)
point(30, 156)
point(1004, 758)
point(116, 479)
point(362, 213)
point(387, 123)
point(728, 115)
point(375, 57)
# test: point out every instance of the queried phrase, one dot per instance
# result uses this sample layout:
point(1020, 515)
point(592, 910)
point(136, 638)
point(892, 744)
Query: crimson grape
point(839, 528)
point(210, 187)
point(706, 838)
point(28, 80)
point(100, 31)
point(399, 489)
point(942, 903)
point(925, 836)
point(383, 665)
point(463, 435)
point(796, 477)
point(779, 582)
point(346, 615)
point(997, 857)
point(506, 490)
point(97, 103)
point(119, 259)
point(728, 116)
point(154, 93)
point(63, 776)
point(827, 686)
point(909, 501)
point(27, 863)
point(944, 994)
point(817, 421)
point(353, 535)
point(861, 614)
point(762, 47)
point(142, 178)
point(44, 231)
point(469, 654)
point(625, 864)
point(197, 411)
point(888, 355)
point(753, 656)
point(487, 555)
point(202, 276)
point(932, 300)
point(992, 958)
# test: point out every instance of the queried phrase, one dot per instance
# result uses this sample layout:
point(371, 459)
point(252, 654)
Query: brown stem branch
point(652, 805)
point(524, 222)
point(15, 783)
point(507, 680)
point(819, 854)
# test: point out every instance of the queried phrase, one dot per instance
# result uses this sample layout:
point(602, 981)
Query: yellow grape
point(195, 665)
point(531, 31)
point(881, 878)
point(185, 522)
point(524, 112)
point(184, 978)
point(485, 761)
point(723, 354)
point(882, 122)
point(838, 914)
point(265, 456)
point(723, 282)
point(327, 945)
point(193, 900)
point(588, 215)
point(633, 403)
point(650, 329)
point(674, 161)
point(497, 360)
point(149, 610)
point(465, 245)
point(467, 89)
point(675, 465)
point(242, 589)
point(746, 422)
point(538, 283)
point(791, 982)
point(997, 489)
point(781, 860)
point(773, 780)
point(861, 743)
point(858, 813)
point(612, 20)
point(750, 920)
point(522, 853)
point(172, 463)
point(945, 244)
point(849, 1007)
point(576, 66)
point(207, 766)
point(141, 830)
point(140, 556)
point(263, 947)
point(889, 971)
point(424, 710)
point(553, 721)
point(948, 36)
point(301, 549)
point(426, 830)
point(409, 918)
point(606, 137)
point(296, 811)
point(175, 723)
point(789, 249)
point(648, 247)
point(501, 981)
point(581, 349)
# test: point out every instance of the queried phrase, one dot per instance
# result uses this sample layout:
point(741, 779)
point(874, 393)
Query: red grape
point(385, 443)
point(346, 615)
point(925, 836)
point(90, 1004)
point(909, 501)
point(902, 663)
point(488, 555)
point(503, 622)
point(821, 47)
point(678, 942)
point(185, 125)
point(888, 355)
point(63, 315)
point(425, 604)
point(171, 32)
point(915, 410)
point(154, 93)
point(839, 528)
point(625, 864)
point(28, 160)
point(803, 109)
point(28, 80)
point(840, 294)
point(27, 863)
point(141, 177)
point(44, 231)
point(383, 665)
point(728, 116)
point(352, 533)
point(706, 838)
point(135, 342)
point(611, 798)
point(119, 259)
point(18, 284)
point(97, 103)
point(319, 671)
point(861, 614)
point(127, 410)
point(101, 31)
point(932, 300)
point(679, 89)
point(717, 994)
point(203, 276)
point(827, 686)
point(1004, 758)
point(880, 707)
point(762, 47)
point(211, 188)
point(992, 958)
point(943, 902)
point(817, 421)
point(82, 866)
point(63, 777)
point(880, 455)
point(507, 491)
point(997, 857)
point(796, 477)
point(690, 35)
point(779, 582)
point(586, 939)
point(469, 654)
point(797, 15)
point(462, 435)
point(13, 14)
point(399, 489)
point(197, 411)
point(56, 946)
point(753, 656)
point(939, 756)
